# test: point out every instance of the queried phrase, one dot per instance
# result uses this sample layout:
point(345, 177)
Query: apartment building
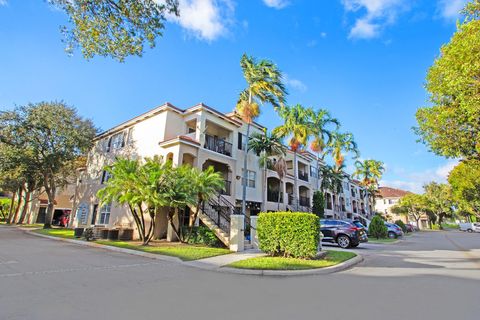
point(387, 198)
point(202, 137)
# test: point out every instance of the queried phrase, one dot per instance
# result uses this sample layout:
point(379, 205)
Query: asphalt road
point(431, 275)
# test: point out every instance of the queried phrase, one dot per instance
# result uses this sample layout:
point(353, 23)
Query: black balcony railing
point(227, 189)
point(290, 199)
point(218, 145)
point(302, 175)
point(304, 201)
point(272, 196)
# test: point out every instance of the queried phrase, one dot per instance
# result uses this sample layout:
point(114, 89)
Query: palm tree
point(342, 143)
point(264, 85)
point(206, 184)
point(370, 172)
point(297, 127)
point(322, 136)
point(266, 145)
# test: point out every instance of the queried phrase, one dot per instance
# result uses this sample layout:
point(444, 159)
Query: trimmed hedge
point(377, 228)
point(289, 234)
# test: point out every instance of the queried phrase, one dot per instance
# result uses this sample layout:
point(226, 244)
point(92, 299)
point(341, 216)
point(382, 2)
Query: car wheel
point(343, 241)
point(392, 235)
point(354, 245)
point(470, 230)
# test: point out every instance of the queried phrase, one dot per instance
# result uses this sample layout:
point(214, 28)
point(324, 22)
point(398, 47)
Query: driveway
point(431, 275)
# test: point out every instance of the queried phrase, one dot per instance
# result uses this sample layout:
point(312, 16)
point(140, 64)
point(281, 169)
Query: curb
point(288, 273)
point(204, 266)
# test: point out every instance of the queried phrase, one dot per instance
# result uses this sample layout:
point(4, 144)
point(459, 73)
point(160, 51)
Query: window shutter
point(240, 142)
point(109, 144)
point(103, 176)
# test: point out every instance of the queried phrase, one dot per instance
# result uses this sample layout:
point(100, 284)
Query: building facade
point(387, 198)
point(202, 137)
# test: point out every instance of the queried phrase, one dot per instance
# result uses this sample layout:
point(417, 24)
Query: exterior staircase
point(215, 214)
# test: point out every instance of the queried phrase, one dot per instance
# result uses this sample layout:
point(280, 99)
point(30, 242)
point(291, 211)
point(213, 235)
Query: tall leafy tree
point(413, 206)
point(114, 28)
point(264, 85)
point(464, 180)
point(55, 135)
point(297, 128)
point(450, 127)
point(266, 145)
point(321, 122)
point(440, 201)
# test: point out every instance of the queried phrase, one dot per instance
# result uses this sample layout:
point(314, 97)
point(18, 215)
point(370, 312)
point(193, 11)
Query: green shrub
point(318, 207)
point(203, 235)
point(434, 226)
point(289, 234)
point(401, 225)
point(377, 228)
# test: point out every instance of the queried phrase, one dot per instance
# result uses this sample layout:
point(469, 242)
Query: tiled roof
point(387, 192)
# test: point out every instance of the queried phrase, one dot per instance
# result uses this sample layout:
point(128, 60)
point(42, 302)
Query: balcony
point(304, 201)
point(272, 196)
point(226, 191)
point(302, 175)
point(218, 145)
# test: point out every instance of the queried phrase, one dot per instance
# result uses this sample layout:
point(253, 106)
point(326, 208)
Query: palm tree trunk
point(295, 175)
point(245, 173)
point(318, 171)
point(280, 191)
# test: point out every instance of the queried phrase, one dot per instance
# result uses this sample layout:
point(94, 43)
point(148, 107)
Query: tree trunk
point(279, 195)
point(12, 207)
point(171, 213)
point(295, 177)
point(245, 173)
point(17, 209)
point(50, 207)
point(24, 209)
point(264, 187)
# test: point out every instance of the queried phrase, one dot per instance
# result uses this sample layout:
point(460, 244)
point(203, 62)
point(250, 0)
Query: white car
point(470, 227)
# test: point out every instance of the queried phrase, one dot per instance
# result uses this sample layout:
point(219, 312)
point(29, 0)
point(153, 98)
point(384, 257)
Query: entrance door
point(94, 214)
point(41, 215)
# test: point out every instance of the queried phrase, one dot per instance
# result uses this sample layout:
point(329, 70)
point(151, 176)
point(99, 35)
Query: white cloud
point(414, 181)
point(295, 83)
point(375, 14)
point(3, 2)
point(277, 4)
point(450, 9)
point(205, 19)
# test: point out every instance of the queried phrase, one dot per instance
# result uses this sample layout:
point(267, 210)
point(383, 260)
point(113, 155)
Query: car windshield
point(358, 224)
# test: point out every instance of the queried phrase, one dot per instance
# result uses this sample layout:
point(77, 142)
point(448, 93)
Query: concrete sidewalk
point(214, 263)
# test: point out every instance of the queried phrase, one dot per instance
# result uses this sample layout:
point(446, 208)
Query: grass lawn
point(185, 252)
point(34, 225)
point(57, 232)
point(384, 240)
point(278, 263)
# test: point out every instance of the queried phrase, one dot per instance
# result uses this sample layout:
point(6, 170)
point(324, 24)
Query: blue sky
point(364, 60)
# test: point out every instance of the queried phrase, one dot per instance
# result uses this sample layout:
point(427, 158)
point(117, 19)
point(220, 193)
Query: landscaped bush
point(203, 235)
point(401, 225)
point(434, 227)
point(289, 234)
point(377, 228)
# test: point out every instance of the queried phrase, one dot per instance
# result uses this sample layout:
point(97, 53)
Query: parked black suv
point(344, 233)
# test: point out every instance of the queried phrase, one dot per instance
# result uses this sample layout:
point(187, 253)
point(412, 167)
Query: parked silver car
point(394, 231)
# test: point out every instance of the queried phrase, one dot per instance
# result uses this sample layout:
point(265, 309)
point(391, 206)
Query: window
point(251, 178)
point(130, 136)
point(242, 141)
point(105, 176)
point(118, 141)
point(105, 214)
point(313, 172)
